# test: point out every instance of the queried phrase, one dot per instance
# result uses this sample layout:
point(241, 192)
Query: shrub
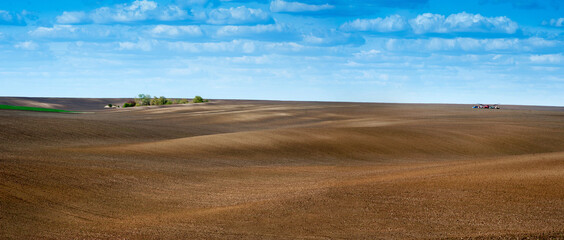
point(110, 105)
point(130, 103)
point(197, 99)
point(180, 101)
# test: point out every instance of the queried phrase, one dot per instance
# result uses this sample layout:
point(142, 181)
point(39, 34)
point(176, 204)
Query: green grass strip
point(10, 107)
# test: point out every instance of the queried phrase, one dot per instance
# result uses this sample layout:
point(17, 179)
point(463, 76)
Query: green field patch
point(36, 109)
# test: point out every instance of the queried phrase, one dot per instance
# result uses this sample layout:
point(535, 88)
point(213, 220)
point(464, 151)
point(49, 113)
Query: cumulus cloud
point(172, 13)
point(27, 45)
point(238, 15)
point(434, 23)
point(293, 7)
point(139, 10)
point(176, 31)
point(146, 10)
point(428, 22)
point(391, 23)
point(11, 18)
point(462, 22)
point(136, 11)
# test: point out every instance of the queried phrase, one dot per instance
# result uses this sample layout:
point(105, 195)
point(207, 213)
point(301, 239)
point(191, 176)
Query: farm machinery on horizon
point(482, 106)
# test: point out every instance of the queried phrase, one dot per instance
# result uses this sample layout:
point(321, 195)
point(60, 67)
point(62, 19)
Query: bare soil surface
point(233, 169)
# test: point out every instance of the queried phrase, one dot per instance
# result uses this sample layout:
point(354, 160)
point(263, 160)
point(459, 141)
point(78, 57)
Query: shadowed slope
point(426, 141)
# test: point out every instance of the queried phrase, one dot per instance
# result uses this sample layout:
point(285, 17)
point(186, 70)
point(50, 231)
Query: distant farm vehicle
point(486, 106)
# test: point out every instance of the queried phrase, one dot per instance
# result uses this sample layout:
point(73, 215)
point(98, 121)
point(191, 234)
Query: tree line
point(146, 100)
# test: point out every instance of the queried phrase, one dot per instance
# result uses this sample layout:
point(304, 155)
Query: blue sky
point(475, 51)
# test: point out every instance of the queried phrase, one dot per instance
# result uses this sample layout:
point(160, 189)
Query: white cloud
point(139, 10)
point(235, 47)
point(172, 13)
point(283, 6)
point(55, 31)
point(249, 59)
point(232, 46)
point(391, 23)
point(146, 10)
point(175, 31)
point(463, 44)
point(238, 15)
point(546, 58)
point(86, 32)
point(245, 30)
point(555, 22)
point(27, 45)
point(536, 42)
point(368, 54)
point(144, 45)
point(466, 22)
point(428, 22)
point(331, 38)
point(72, 18)
point(461, 22)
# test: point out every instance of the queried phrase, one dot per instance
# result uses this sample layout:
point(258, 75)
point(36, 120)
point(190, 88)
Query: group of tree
point(146, 100)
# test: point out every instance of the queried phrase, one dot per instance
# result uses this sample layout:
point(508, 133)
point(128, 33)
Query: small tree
point(162, 100)
point(159, 101)
point(110, 105)
point(144, 99)
point(197, 99)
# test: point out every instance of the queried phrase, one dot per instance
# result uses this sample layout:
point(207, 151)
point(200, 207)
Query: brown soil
point(281, 170)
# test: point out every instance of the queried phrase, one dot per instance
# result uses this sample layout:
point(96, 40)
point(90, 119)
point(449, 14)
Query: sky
point(412, 51)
